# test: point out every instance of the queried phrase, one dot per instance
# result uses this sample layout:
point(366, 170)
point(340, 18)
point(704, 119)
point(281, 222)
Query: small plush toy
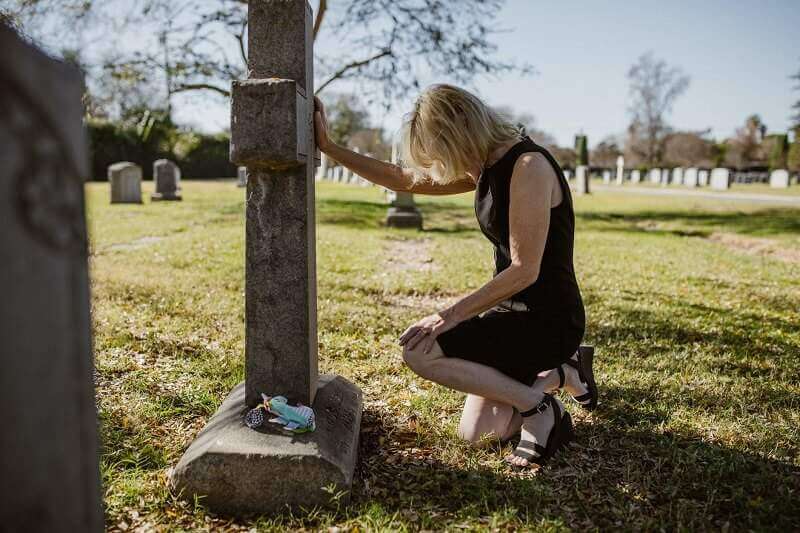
point(298, 419)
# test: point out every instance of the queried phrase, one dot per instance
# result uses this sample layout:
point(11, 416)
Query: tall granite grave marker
point(234, 468)
point(49, 469)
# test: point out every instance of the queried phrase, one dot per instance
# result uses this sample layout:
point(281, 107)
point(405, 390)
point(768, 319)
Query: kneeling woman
point(513, 342)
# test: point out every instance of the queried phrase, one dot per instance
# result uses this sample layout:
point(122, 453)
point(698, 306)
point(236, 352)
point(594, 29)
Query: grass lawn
point(693, 304)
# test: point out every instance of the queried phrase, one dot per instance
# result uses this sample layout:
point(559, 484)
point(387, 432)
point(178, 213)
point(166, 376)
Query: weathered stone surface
point(239, 470)
point(269, 124)
point(49, 470)
point(166, 179)
point(125, 179)
point(779, 179)
point(720, 179)
point(280, 285)
point(287, 53)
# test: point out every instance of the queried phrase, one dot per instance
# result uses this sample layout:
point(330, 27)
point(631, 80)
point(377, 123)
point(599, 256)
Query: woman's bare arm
point(392, 176)
point(389, 175)
point(531, 194)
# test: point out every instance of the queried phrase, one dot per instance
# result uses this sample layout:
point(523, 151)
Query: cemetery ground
point(693, 305)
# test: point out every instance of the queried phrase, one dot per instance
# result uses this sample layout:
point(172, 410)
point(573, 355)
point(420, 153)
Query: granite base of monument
point(166, 197)
point(404, 217)
point(237, 470)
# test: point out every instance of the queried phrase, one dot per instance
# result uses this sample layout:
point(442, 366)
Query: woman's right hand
point(321, 126)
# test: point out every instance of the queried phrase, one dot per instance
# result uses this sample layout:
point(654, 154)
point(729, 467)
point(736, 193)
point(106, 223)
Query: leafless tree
point(654, 87)
point(688, 148)
point(388, 46)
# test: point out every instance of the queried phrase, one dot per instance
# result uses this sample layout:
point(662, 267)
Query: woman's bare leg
point(484, 419)
point(472, 378)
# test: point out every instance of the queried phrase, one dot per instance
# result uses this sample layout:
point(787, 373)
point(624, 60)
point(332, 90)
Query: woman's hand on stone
point(321, 126)
point(425, 331)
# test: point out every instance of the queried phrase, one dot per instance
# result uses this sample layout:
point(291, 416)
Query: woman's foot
point(578, 377)
point(545, 429)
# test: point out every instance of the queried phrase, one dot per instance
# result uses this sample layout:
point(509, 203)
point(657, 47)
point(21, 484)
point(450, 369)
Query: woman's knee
point(416, 358)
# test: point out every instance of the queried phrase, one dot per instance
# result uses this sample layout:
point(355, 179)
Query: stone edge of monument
point(404, 217)
point(268, 470)
point(264, 134)
point(171, 197)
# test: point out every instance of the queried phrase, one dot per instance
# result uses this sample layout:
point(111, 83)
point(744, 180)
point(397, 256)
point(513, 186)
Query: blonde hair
point(449, 131)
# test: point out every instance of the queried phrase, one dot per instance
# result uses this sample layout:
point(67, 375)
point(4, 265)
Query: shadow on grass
point(615, 473)
point(770, 221)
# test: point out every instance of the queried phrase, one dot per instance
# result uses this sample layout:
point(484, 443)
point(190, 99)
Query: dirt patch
point(757, 246)
point(409, 254)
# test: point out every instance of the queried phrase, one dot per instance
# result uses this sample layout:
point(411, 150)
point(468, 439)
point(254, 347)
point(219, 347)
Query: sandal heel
point(567, 430)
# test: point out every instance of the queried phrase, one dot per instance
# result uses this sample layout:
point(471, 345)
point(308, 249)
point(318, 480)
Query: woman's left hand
point(426, 330)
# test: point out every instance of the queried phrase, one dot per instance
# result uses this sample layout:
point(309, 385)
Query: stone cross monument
point(234, 468)
point(49, 472)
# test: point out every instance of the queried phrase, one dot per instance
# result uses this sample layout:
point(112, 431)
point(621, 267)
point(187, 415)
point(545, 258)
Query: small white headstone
point(636, 176)
point(702, 178)
point(720, 179)
point(690, 177)
point(620, 170)
point(655, 175)
point(241, 177)
point(677, 176)
point(779, 179)
point(606, 177)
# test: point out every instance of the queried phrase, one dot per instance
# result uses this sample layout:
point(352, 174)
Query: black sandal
point(586, 374)
point(560, 434)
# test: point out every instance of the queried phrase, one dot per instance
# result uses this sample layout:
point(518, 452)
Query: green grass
point(693, 304)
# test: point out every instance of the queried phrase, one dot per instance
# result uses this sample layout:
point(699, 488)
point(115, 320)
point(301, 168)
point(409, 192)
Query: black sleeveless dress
point(523, 343)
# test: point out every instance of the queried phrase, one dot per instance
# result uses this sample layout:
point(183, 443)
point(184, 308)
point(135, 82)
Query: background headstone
point(322, 170)
point(125, 179)
point(620, 170)
point(720, 179)
point(702, 177)
point(235, 469)
point(779, 179)
point(403, 211)
point(690, 178)
point(582, 179)
point(49, 471)
point(606, 177)
point(636, 176)
point(241, 177)
point(677, 176)
point(655, 175)
point(166, 180)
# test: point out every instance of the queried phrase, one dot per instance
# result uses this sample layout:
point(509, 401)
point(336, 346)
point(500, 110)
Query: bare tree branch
point(201, 86)
point(323, 6)
point(350, 66)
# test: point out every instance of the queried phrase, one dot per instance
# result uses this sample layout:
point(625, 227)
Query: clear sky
point(738, 53)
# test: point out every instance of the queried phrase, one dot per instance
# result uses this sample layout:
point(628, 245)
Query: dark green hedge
point(198, 155)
